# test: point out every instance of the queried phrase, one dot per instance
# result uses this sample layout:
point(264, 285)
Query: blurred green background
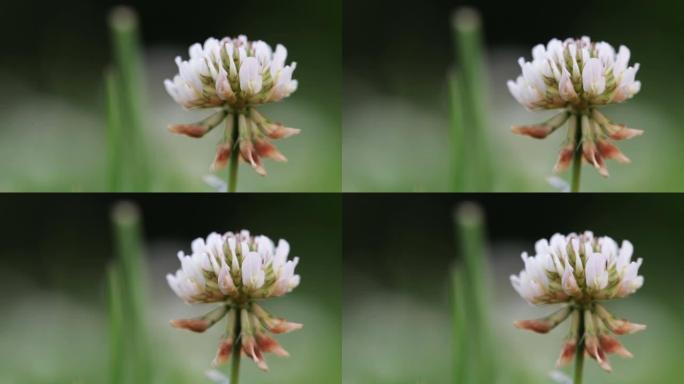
point(54, 323)
point(52, 108)
point(396, 102)
point(399, 251)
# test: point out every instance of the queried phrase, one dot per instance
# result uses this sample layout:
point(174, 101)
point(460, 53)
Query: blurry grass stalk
point(130, 352)
point(128, 166)
point(234, 156)
point(474, 360)
point(471, 162)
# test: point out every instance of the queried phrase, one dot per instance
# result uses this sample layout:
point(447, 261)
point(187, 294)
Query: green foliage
point(130, 351)
point(468, 107)
point(128, 167)
point(474, 357)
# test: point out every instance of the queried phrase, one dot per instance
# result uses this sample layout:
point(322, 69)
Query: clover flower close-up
point(578, 76)
point(237, 270)
point(580, 272)
point(235, 76)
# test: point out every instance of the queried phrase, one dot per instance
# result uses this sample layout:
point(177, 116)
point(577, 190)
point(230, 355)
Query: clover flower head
point(578, 75)
point(575, 72)
point(578, 271)
point(235, 75)
point(236, 270)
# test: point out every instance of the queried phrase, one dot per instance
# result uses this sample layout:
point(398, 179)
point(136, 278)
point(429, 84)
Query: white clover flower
point(235, 75)
point(237, 269)
point(578, 271)
point(578, 267)
point(578, 75)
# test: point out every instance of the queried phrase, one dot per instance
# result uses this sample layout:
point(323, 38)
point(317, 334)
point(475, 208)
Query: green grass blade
point(469, 226)
point(457, 133)
point(128, 240)
point(114, 132)
point(116, 331)
point(123, 24)
point(459, 328)
point(471, 82)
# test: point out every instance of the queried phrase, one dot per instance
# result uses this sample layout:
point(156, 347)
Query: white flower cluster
point(578, 73)
point(578, 268)
point(235, 267)
point(232, 72)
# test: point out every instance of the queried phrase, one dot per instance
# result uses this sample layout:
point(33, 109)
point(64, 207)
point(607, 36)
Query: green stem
point(233, 171)
point(577, 158)
point(237, 343)
point(579, 352)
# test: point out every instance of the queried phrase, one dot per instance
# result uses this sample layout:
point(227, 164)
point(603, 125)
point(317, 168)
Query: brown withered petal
point(223, 152)
point(195, 325)
point(266, 149)
point(567, 353)
point(564, 158)
point(593, 157)
point(191, 130)
point(279, 131)
point(251, 349)
point(594, 350)
point(268, 344)
point(250, 156)
point(617, 326)
point(200, 324)
point(223, 353)
point(610, 151)
point(283, 326)
point(612, 345)
point(544, 324)
point(539, 131)
point(622, 132)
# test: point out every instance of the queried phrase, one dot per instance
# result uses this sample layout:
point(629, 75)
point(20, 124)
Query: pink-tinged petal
point(593, 157)
point(539, 131)
point(622, 132)
point(593, 349)
point(223, 353)
point(545, 324)
point(617, 326)
point(279, 131)
point(268, 150)
point(612, 345)
point(564, 158)
point(567, 353)
point(248, 153)
point(610, 151)
point(268, 344)
point(223, 152)
point(195, 325)
point(192, 130)
point(201, 324)
point(251, 349)
point(278, 325)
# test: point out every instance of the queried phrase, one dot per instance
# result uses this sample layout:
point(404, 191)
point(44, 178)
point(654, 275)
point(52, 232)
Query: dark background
point(47, 41)
point(402, 229)
point(419, 36)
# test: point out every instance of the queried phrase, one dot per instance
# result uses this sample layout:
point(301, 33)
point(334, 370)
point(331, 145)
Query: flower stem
point(577, 158)
point(579, 352)
point(237, 343)
point(233, 171)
